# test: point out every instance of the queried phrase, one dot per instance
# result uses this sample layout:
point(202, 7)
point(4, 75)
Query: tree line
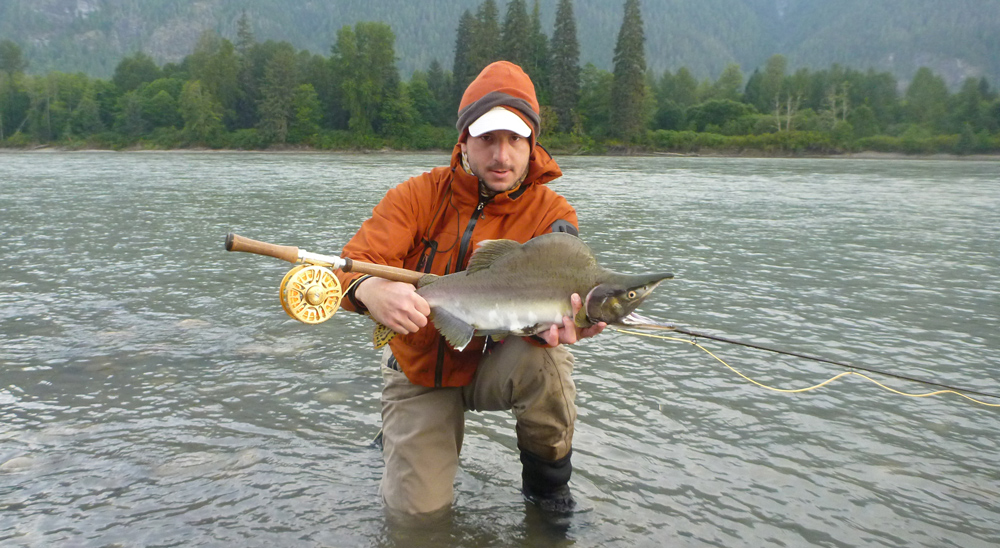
point(246, 94)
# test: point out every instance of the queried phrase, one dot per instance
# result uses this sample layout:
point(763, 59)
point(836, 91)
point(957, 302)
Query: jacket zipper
point(467, 236)
point(462, 250)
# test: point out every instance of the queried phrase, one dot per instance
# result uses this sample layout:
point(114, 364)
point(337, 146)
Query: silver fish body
point(523, 289)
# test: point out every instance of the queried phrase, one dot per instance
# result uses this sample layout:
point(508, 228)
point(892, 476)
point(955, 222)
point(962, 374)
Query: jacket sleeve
point(559, 217)
point(386, 237)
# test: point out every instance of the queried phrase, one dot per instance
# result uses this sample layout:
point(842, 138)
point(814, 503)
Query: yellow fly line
point(807, 389)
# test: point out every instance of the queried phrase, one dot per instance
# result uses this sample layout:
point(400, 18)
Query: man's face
point(499, 158)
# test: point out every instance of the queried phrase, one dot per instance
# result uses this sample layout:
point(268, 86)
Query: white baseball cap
point(499, 118)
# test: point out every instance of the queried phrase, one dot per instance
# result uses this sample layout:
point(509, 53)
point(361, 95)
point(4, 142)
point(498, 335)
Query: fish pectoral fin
point(452, 328)
point(488, 252)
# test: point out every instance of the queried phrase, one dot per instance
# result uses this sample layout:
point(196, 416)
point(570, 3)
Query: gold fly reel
point(310, 293)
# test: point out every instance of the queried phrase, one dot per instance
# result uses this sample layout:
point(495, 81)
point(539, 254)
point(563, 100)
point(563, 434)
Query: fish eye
point(631, 294)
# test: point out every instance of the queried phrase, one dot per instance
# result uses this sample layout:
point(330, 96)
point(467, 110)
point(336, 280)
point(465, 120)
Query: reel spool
point(310, 294)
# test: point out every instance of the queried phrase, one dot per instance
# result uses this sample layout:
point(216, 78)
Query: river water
point(154, 393)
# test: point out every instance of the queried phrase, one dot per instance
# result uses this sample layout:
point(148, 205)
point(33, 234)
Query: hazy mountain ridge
point(956, 39)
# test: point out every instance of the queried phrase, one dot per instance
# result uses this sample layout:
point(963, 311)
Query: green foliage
point(252, 95)
point(927, 99)
point(277, 107)
point(202, 114)
point(863, 121)
point(130, 120)
point(717, 112)
point(464, 67)
point(86, 117)
point(515, 34)
point(439, 83)
point(161, 111)
point(134, 71)
point(628, 92)
point(564, 74)
point(364, 65)
point(11, 58)
point(214, 63)
point(595, 101)
point(729, 86)
point(486, 46)
point(537, 65)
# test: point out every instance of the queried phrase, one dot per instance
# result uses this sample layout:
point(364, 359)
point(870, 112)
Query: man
point(493, 188)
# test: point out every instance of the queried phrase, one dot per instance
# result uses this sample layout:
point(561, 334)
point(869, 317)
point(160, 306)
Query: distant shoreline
point(864, 155)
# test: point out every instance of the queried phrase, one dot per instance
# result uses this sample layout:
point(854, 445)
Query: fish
point(511, 288)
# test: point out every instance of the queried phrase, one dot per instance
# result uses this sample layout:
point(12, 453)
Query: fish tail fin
point(382, 335)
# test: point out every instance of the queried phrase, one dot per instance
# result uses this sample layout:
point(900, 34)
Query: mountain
point(956, 39)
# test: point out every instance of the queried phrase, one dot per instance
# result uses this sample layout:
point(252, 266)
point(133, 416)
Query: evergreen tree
point(984, 90)
point(277, 96)
point(968, 105)
point(730, 84)
point(214, 63)
point(564, 76)
point(245, 38)
point(683, 88)
point(515, 36)
point(752, 93)
point(628, 93)
point(864, 122)
point(595, 100)
point(463, 67)
point(423, 100)
point(246, 102)
point(365, 67)
point(766, 91)
point(201, 112)
point(308, 114)
point(439, 84)
point(669, 113)
point(11, 59)
point(14, 99)
point(880, 92)
point(538, 62)
point(86, 117)
point(927, 99)
point(130, 120)
point(486, 37)
point(161, 110)
point(134, 71)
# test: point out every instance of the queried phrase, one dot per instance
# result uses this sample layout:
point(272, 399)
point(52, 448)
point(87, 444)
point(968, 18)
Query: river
point(154, 393)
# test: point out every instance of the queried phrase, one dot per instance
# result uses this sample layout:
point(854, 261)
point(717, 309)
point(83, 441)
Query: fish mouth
point(638, 321)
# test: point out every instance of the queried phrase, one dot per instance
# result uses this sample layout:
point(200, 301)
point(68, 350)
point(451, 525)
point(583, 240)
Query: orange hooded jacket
point(433, 223)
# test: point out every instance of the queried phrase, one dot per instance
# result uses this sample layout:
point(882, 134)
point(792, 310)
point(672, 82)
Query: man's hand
point(395, 305)
point(568, 332)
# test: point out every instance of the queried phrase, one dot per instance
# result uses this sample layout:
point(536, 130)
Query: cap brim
point(499, 119)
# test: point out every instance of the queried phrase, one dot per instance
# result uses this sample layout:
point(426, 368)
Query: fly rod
point(310, 292)
point(292, 254)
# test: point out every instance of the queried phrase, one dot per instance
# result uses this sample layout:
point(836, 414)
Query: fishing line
point(945, 388)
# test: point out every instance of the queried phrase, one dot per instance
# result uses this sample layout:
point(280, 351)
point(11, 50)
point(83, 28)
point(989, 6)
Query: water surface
point(153, 393)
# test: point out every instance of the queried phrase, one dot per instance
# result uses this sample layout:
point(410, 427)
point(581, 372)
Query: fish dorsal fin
point(454, 330)
point(488, 252)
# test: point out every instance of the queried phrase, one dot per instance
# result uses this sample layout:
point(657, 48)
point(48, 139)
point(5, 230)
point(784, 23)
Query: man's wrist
point(352, 295)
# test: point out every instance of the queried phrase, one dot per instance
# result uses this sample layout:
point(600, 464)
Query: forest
point(250, 94)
